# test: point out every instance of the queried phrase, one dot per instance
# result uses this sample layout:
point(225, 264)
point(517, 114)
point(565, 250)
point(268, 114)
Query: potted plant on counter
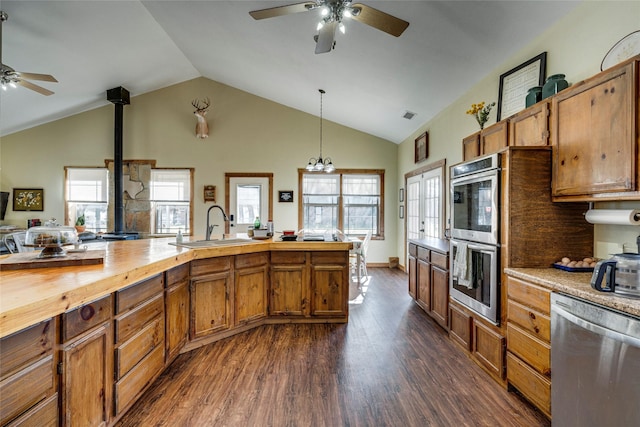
point(80, 227)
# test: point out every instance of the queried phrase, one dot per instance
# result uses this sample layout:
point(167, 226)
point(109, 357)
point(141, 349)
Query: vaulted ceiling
point(371, 78)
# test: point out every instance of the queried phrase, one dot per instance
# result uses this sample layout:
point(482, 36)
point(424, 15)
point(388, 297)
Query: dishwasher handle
point(595, 328)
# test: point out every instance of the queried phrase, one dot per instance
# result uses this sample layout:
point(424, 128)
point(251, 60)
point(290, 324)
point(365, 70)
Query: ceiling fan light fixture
point(324, 11)
point(320, 25)
point(341, 28)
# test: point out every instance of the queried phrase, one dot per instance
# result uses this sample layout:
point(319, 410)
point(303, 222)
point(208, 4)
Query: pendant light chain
point(321, 93)
point(320, 164)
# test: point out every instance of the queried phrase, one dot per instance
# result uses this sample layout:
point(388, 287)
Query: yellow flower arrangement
point(481, 112)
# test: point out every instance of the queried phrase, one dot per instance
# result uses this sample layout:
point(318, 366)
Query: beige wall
point(575, 46)
point(247, 134)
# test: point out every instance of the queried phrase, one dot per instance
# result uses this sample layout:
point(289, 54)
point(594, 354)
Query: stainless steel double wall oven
point(475, 235)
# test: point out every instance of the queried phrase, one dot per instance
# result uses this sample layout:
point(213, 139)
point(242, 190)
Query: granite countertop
point(577, 285)
point(438, 245)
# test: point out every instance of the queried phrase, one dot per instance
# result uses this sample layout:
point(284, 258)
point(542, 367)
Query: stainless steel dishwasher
point(595, 365)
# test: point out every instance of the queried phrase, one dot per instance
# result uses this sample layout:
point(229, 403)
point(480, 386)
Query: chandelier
point(318, 164)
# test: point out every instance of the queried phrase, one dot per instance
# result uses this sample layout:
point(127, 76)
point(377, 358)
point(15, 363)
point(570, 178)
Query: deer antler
point(196, 104)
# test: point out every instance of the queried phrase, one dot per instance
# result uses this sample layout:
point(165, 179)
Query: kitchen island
point(93, 338)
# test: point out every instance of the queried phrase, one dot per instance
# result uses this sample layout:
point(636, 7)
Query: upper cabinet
point(595, 133)
point(594, 129)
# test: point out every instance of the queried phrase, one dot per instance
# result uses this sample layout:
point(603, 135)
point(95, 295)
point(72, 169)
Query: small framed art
point(515, 83)
point(28, 199)
point(422, 147)
point(285, 196)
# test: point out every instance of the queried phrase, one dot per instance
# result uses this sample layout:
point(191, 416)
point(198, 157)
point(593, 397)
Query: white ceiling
point(371, 78)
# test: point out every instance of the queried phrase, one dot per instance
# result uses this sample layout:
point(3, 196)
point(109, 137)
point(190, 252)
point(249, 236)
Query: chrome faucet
point(210, 227)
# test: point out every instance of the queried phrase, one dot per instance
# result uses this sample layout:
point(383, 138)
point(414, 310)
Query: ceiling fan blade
point(380, 20)
point(39, 89)
point(326, 36)
point(35, 76)
point(283, 10)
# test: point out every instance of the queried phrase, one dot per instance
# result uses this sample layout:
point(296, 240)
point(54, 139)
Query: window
point(171, 201)
point(348, 201)
point(87, 192)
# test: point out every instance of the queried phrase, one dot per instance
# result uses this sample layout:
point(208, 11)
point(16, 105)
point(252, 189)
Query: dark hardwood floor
point(391, 365)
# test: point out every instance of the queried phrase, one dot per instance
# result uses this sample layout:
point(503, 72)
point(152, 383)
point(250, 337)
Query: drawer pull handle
point(87, 312)
point(531, 315)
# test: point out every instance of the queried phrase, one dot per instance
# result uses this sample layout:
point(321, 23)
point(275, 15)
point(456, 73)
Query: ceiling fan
point(333, 12)
point(11, 77)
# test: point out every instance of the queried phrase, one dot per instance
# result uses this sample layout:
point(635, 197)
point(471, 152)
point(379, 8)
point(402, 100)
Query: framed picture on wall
point(285, 196)
point(422, 147)
point(28, 199)
point(515, 83)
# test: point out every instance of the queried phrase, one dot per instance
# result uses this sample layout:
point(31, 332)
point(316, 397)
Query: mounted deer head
point(202, 129)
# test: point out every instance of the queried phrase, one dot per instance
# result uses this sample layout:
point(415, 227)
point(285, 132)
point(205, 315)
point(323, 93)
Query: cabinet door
point(471, 146)
point(461, 326)
point(87, 377)
point(329, 287)
point(530, 127)
point(289, 290)
point(251, 294)
point(489, 349)
point(413, 277)
point(177, 318)
point(210, 307)
point(494, 138)
point(440, 295)
point(424, 285)
point(594, 128)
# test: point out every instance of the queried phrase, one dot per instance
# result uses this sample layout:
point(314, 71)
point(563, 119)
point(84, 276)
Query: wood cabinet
point(494, 138)
point(471, 146)
point(484, 342)
point(250, 287)
point(430, 279)
point(530, 127)
point(329, 284)
point(28, 376)
point(289, 294)
point(139, 335)
point(595, 134)
point(176, 310)
point(529, 342)
point(87, 364)
point(211, 284)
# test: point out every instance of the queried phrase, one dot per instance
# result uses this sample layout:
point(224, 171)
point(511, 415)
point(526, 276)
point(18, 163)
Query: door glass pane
point(248, 203)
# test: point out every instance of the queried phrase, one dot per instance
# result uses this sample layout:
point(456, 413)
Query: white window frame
point(87, 188)
point(170, 199)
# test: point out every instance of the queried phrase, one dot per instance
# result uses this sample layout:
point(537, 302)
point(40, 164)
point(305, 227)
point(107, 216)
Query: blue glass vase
point(553, 85)
point(533, 95)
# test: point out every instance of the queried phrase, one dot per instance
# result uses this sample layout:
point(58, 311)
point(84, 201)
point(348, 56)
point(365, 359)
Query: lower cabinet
point(529, 342)
point(86, 366)
point(28, 377)
point(429, 281)
point(211, 285)
point(176, 310)
point(329, 284)
point(484, 342)
point(289, 290)
point(251, 281)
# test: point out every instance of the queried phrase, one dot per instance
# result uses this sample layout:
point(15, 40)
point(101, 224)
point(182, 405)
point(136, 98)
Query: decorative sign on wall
point(285, 196)
point(28, 199)
point(209, 193)
point(515, 83)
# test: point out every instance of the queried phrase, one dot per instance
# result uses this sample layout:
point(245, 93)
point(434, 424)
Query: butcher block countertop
point(30, 296)
point(577, 285)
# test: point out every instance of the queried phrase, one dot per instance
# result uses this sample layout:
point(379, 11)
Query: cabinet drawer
point(200, 267)
point(440, 260)
point(133, 350)
point(177, 274)
point(138, 378)
point(534, 322)
point(288, 258)
point(83, 318)
point(135, 294)
point(129, 323)
point(530, 349)
point(413, 250)
point(26, 346)
point(44, 414)
point(25, 388)
point(251, 260)
point(330, 258)
point(423, 253)
point(529, 295)
point(535, 387)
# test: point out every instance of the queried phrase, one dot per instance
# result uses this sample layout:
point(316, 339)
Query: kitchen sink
point(213, 243)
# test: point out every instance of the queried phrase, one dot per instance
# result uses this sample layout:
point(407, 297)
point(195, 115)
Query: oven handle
point(477, 247)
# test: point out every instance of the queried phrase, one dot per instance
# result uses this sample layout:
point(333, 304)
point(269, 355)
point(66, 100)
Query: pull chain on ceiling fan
point(12, 78)
point(333, 12)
